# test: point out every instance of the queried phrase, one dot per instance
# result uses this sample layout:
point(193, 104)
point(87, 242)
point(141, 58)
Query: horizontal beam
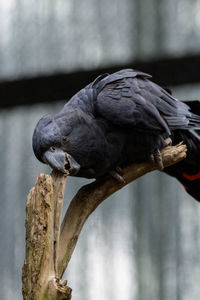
point(48, 88)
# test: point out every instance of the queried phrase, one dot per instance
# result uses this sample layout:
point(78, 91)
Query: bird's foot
point(117, 174)
point(157, 159)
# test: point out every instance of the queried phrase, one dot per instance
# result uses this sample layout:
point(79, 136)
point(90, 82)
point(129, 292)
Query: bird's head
point(50, 139)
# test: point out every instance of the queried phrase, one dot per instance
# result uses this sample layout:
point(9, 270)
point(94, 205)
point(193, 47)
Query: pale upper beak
point(61, 161)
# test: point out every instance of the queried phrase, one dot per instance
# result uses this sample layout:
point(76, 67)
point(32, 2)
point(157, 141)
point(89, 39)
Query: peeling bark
point(48, 246)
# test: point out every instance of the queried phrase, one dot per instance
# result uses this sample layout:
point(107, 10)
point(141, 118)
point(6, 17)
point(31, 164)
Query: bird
point(116, 120)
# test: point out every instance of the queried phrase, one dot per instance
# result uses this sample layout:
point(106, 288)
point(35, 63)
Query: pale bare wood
point(43, 213)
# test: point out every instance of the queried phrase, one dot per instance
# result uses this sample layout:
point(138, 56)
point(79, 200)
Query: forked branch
point(49, 249)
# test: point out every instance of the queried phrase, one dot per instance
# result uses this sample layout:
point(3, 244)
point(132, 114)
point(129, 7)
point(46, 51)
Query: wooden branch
point(91, 195)
point(49, 249)
point(43, 213)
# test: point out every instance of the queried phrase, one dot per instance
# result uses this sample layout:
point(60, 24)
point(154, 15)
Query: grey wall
point(48, 36)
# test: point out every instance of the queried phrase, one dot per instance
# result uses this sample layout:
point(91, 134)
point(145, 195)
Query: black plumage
point(116, 120)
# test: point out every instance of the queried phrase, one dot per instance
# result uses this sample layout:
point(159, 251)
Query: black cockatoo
point(116, 120)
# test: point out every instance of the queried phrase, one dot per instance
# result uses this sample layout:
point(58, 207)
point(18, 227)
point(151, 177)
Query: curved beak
point(61, 161)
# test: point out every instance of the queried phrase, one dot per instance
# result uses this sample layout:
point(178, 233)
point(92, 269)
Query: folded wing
point(129, 99)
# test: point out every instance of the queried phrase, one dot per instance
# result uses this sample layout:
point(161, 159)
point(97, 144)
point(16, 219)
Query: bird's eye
point(64, 139)
point(52, 149)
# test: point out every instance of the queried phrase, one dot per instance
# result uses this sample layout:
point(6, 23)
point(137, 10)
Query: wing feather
point(129, 98)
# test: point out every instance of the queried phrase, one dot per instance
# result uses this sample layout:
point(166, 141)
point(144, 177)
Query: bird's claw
point(115, 174)
point(156, 157)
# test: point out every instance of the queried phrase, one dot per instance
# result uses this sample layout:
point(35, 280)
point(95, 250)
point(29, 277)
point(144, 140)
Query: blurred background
point(144, 241)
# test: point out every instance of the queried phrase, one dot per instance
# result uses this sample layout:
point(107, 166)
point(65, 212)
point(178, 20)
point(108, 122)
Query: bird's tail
point(188, 170)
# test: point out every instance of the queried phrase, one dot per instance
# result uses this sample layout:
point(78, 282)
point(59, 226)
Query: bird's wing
point(135, 101)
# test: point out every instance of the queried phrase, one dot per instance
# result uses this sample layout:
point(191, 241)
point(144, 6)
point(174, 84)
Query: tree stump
point(43, 213)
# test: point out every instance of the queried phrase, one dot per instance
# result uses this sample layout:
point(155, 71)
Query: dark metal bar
point(25, 91)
